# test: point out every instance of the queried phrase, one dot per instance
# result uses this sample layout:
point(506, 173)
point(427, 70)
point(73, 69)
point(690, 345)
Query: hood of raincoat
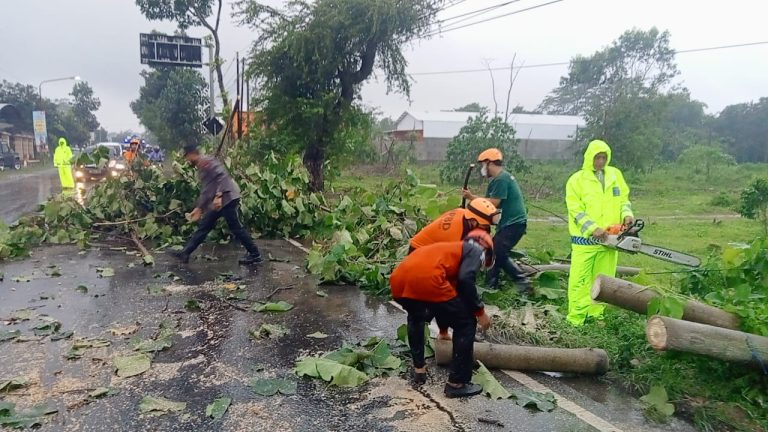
point(595, 147)
point(62, 141)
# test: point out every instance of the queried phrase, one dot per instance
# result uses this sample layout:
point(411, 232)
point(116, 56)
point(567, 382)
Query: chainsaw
point(626, 239)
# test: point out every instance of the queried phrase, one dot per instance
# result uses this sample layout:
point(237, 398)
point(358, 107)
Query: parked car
point(8, 157)
point(99, 161)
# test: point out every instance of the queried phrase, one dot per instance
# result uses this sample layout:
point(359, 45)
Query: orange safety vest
point(448, 227)
point(429, 273)
point(129, 156)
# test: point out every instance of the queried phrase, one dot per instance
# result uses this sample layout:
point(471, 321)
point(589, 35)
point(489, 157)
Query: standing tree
point(618, 90)
point(312, 60)
point(744, 127)
point(472, 107)
point(754, 203)
point(189, 13)
point(171, 105)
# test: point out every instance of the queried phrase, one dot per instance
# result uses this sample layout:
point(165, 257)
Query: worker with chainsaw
point(439, 280)
point(597, 198)
point(62, 159)
point(454, 225)
point(504, 192)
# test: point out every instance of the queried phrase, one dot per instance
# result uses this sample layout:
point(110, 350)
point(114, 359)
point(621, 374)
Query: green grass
point(678, 205)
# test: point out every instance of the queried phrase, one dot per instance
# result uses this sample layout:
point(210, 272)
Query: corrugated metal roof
point(447, 124)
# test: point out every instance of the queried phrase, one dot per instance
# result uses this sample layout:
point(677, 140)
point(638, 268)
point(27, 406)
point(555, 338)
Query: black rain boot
point(467, 390)
point(250, 259)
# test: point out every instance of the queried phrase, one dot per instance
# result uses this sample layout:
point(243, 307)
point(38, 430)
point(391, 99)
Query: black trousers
point(454, 314)
point(505, 239)
point(229, 213)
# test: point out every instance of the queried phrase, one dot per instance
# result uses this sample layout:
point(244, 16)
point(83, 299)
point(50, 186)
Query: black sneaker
point(419, 378)
point(181, 256)
point(467, 390)
point(250, 259)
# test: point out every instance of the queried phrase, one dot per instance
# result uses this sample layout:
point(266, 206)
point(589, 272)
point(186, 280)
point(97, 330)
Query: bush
point(704, 158)
point(723, 200)
point(754, 202)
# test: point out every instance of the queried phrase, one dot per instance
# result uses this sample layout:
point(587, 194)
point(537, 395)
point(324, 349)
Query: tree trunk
point(530, 358)
point(634, 297)
point(664, 333)
point(219, 73)
point(314, 158)
point(538, 268)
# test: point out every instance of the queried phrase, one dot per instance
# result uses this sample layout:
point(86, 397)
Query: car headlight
point(119, 166)
point(79, 174)
point(112, 163)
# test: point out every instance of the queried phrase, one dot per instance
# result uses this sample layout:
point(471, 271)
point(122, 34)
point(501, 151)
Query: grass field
point(684, 210)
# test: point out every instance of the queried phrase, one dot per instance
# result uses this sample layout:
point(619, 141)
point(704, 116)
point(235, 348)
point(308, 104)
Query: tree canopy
point(311, 60)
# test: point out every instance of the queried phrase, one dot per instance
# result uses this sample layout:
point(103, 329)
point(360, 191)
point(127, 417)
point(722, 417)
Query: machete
point(466, 182)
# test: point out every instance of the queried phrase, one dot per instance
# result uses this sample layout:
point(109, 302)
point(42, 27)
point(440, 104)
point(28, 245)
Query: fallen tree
point(664, 333)
point(591, 361)
point(635, 297)
point(564, 267)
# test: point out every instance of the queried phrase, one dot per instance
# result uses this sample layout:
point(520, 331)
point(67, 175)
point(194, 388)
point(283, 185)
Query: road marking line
point(566, 404)
point(297, 244)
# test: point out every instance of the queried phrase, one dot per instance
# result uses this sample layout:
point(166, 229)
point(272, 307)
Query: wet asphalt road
point(212, 355)
point(21, 193)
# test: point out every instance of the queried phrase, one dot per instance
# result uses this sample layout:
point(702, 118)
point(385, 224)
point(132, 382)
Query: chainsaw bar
point(669, 255)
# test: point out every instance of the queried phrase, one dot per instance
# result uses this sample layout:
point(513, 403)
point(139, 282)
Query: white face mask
point(484, 170)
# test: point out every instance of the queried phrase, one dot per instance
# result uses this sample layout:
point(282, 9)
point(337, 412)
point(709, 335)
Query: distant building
point(540, 136)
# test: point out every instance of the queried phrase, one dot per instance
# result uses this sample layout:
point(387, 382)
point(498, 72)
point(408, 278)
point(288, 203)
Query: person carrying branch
point(597, 197)
point(504, 192)
point(439, 280)
point(219, 198)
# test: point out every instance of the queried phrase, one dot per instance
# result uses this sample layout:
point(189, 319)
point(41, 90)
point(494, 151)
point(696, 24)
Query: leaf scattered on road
point(272, 386)
point(23, 419)
point(62, 335)
point(82, 289)
point(13, 383)
point(47, 327)
point(317, 335)
point(22, 315)
point(218, 408)
point(151, 345)
point(280, 306)
point(541, 401)
point(155, 406)
point(321, 293)
point(81, 344)
point(124, 331)
point(103, 391)
point(331, 371)
point(148, 260)
point(491, 386)
point(270, 331)
point(657, 402)
point(133, 365)
point(105, 272)
point(6, 335)
point(192, 305)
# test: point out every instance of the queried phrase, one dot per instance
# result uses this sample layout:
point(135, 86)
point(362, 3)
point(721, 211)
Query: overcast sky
point(98, 40)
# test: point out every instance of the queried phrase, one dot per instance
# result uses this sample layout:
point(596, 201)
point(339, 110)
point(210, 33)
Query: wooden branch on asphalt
point(125, 222)
point(139, 244)
point(664, 333)
point(592, 361)
point(278, 289)
point(635, 297)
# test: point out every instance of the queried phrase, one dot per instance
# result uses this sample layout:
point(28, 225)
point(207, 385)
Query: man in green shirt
point(505, 194)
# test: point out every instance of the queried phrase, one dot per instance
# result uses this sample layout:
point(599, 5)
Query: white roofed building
point(540, 136)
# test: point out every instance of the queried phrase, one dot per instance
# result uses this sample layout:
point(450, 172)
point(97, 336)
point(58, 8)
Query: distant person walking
point(62, 159)
point(219, 198)
point(597, 197)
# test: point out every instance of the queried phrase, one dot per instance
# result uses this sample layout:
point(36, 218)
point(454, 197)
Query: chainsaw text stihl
point(627, 240)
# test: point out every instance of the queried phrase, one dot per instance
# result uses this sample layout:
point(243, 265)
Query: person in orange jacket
point(454, 225)
point(439, 279)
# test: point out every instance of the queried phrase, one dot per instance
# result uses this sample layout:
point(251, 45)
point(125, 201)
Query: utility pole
point(211, 65)
point(239, 100)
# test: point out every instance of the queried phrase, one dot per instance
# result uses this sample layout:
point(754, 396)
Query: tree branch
point(218, 16)
point(493, 88)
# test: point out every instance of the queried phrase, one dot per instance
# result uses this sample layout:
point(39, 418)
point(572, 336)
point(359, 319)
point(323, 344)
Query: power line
point(541, 65)
point(475, 13)
point(493, 18)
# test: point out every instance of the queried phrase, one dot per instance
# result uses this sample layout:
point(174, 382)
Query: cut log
point(634, 297)
point(664, 333)
point(591, 361)
point(538, 268)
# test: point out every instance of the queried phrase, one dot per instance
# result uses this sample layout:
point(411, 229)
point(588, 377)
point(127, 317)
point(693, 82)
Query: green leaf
point(491, 387)
point(192, 305)
point(280, 306)
point(24, 419)
point(271, 331)
point(329, 370)
point(148, 260)
point(550, 280)
point(321, 293)
point(541, 401)
point(382, 358)
point(396, 233)
point(63, 335)
point(6, 335)
point(743, 292)
point(150, 345)
point(103, 391)
point(82, 289)
point(270, 387)
point(156, 406)
point(654, 306)
point(23, 315)
point(672, 307)
point(218, 408)
point(317, 335)
point(13, 383)
point(133, 365)
point(48, 327)
point(657, 400)
point(105, 272)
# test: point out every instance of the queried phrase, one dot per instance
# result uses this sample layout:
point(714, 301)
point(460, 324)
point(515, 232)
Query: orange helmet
point(483, 211)
point(483, 239)
point(490, 155)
